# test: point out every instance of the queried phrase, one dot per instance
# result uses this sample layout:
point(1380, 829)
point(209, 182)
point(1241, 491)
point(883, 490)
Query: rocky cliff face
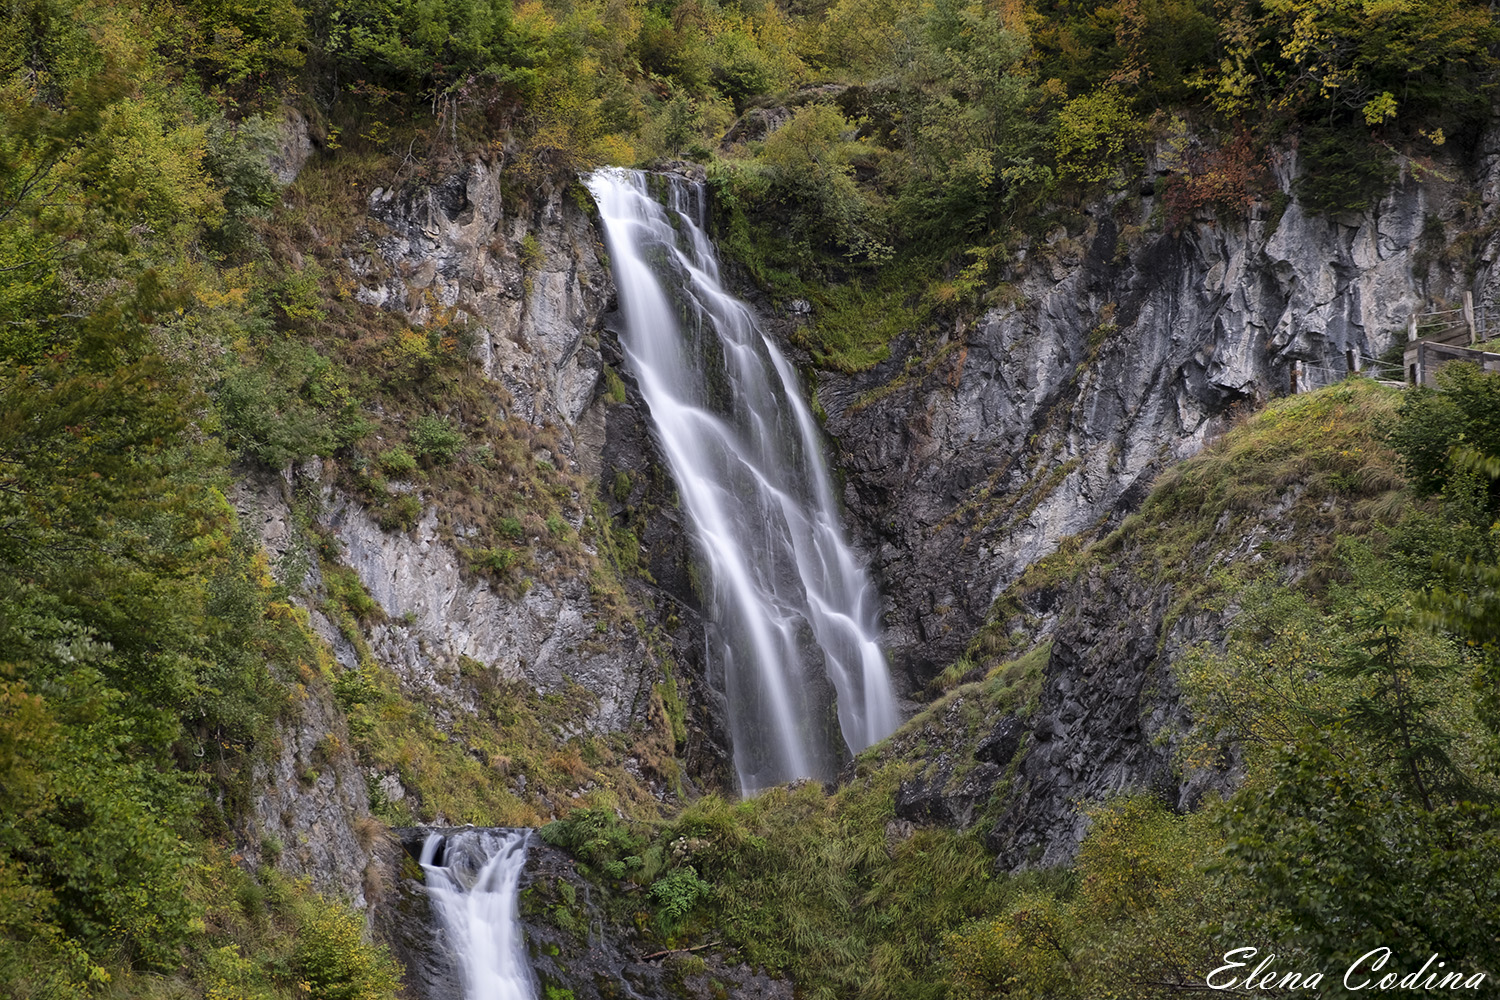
point(526, 273)
point(522, 273)
point(1120, 350)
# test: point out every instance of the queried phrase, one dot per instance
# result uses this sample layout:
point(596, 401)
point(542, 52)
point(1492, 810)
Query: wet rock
point(572, 943)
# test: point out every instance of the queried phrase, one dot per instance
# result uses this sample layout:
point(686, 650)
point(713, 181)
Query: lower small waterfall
point(473, 881)
point(794, 616)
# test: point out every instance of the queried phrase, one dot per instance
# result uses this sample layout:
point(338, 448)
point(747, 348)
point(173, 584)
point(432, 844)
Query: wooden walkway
point(1433, 339)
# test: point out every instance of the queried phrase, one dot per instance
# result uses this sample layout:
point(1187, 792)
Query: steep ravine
point(1122, 350)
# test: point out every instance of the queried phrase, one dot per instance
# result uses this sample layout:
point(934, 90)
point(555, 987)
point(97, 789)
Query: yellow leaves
point(616, 150)
point(154, 171)
point(281, 611)
point(1380, 109)
point(1094, 133)
point(1387, 8)
point(26, 733)
point(227, 299)
point(533, 18)
point(260, 573)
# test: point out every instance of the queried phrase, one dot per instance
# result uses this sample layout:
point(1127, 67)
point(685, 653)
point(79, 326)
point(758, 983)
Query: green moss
point(673, 705)
point(854, 324)
point(622, 486)
point(614, 386)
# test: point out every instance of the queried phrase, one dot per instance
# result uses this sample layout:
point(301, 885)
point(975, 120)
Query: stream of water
point(794, 630)
point(473, 880)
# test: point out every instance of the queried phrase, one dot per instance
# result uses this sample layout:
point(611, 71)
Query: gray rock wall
point(1119, 351)
point(524, 274)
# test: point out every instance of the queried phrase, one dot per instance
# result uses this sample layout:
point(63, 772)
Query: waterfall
point(793, 608)
point(473, 880)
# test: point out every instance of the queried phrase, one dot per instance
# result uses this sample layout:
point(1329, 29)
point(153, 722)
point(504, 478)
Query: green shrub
point(334, 960)
point(1341, 170)
point(493, 560)
point(397, 462)
point(400, 513)
point(679, 891)
point(346, 591)
point(351, 688)
point(436, 440)
point(740, 69)
point(289, 403)
point(428, 46)
point(530, 253)
point(1465, 413)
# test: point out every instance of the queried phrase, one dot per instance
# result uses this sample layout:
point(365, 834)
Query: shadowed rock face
point(572, 944)
point(1108, 693)
point(1118, 352)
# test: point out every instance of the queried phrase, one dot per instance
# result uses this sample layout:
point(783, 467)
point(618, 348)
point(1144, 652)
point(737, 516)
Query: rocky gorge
point(1119, 350)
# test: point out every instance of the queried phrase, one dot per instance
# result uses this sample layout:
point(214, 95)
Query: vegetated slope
point(183, 722)
point(207, 718)
point(1258, 711)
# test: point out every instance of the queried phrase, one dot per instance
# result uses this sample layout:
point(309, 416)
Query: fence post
point(1351, 360)
point(1469, 315)
point(1296, 377)
point(1411, 329)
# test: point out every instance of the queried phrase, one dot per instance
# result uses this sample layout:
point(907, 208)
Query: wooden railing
point(1433, 339)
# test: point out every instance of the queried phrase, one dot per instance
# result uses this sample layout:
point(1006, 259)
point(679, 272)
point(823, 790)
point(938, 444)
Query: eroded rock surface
point(1116, 351)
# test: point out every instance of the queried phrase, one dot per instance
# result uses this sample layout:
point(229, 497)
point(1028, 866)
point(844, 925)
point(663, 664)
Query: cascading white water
point(794, 608)
point(474, 894)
